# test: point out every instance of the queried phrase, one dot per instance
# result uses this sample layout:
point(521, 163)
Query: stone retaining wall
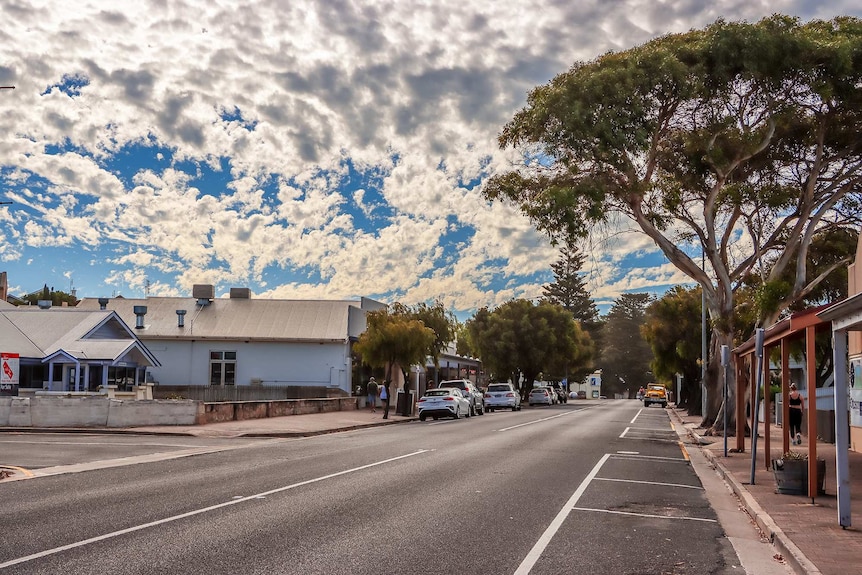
point(98, 411)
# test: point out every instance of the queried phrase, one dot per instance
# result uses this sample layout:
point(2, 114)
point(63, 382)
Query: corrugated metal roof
point(236, 318)
point(83, 334)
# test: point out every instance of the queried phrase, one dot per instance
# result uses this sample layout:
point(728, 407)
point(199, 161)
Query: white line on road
point(621, 455)
point(644, 514)
point(540, 420)
point(636, 415)
point(648, 482)
point(536, 552)
point(98, 538)
point(623, 434)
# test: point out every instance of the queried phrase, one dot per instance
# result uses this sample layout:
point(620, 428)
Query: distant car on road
point(502, 395)
point(470, 391)
point(655, 393)
point(541, 396)
point(443, 402)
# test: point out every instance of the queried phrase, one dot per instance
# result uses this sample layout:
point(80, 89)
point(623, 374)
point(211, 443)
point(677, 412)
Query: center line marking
point(98, 538)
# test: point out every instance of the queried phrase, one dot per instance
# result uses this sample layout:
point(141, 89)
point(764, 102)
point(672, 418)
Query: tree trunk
point(713, 419)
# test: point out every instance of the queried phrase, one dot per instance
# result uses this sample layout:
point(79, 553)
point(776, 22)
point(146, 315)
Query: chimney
point(140, 312)
point(181, 318)
point(103, 303)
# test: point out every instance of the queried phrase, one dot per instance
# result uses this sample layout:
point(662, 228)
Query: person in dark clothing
point(795, 403)
point(384, 396)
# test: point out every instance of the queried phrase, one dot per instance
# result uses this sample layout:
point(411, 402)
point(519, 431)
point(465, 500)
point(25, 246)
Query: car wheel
point(482, 412)
point(457, 413)
point(422, 417)
point(491, 409)
point(515, 408)
point(434, 417)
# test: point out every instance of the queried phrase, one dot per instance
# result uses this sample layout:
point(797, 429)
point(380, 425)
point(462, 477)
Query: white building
point(203, 341)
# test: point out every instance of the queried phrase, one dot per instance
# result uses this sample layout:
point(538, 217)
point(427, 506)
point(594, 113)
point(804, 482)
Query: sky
point(304, 149)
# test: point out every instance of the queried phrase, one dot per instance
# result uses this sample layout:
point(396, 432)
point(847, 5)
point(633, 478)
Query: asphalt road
point(601, 489)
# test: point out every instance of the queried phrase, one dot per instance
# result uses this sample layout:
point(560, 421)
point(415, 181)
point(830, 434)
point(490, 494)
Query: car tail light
point(510, 394)
point(421, 399)
point(488, 395)
point(449, 399)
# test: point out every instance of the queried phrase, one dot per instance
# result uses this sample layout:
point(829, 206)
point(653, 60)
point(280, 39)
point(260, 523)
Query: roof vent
point(44, 304)
point(181, 318)
point(240, 293)
point(103, 303)
point(203, 291)
point(140, 312)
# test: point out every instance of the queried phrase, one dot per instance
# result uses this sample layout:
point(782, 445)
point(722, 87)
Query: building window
point(222, 367)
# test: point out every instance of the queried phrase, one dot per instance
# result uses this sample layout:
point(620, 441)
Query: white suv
point(470, 391)
point(502, 395)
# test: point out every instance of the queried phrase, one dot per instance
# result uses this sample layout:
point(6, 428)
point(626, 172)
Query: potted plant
point(791, 473)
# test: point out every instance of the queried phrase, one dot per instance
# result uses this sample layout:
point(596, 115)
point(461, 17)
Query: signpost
point(8, 374)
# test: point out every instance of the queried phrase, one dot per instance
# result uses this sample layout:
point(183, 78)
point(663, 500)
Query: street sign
point(9, 374)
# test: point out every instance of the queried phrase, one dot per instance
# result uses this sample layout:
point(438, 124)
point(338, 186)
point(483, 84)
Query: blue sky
point(301, 149)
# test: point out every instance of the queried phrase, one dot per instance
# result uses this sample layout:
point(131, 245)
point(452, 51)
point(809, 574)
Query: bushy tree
point(519, 340)
point(740, 142)
point(625, 359)
point(392, 340)
point(673, 329)
point(436, 317)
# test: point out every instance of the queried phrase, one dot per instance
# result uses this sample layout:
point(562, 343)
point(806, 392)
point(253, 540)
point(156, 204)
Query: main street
point(592, 488)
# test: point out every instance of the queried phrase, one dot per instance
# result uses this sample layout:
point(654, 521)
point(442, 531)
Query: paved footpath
point(806, 533)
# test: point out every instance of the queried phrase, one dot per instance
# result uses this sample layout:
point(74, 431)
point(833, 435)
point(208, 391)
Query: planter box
point(791, 476)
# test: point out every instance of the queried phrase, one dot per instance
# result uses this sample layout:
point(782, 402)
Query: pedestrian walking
point(795, 403)
point(384, 396)
point(371, 390)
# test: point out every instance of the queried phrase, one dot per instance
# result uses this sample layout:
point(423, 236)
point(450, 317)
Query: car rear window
point(458, 384)
point(543, 391)
point(499, 388)
point(438, 392)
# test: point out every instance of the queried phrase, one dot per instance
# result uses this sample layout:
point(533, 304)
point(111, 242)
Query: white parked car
point(503, 396)
point(541, 396)
point(443, 402)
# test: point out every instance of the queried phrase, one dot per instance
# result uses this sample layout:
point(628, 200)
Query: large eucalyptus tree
point(735, 144)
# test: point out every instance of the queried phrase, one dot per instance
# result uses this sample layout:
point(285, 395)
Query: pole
point(758, 378)
point(725, 361)
point(703, 358)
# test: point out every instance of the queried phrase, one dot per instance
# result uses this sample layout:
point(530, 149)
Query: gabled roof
point(85, 335)
point(236, 318)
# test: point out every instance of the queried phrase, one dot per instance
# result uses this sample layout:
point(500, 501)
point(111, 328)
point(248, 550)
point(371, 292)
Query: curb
point(782, 543)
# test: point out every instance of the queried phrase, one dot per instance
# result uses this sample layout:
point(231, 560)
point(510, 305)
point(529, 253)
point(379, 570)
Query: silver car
point(502, 395)
point(541, 396)
point(443, 402)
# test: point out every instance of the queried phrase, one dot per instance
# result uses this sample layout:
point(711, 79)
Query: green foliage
point(745, 138)
point(672, 328)
point(520, 338)
point(57, 298)
point(436, 317)
point(626, 357)
point(392, 339)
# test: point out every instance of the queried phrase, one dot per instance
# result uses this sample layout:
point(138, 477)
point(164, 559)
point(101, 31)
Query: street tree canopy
point(738, 142)
point(520, 339)
point(626, 356)
point(392, 340)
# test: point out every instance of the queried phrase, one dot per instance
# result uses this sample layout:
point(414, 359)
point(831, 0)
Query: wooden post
point(811, 386)
point(785, 396)
point(767, 456)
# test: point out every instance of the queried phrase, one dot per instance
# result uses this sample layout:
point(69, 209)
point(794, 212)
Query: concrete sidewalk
point(807, 534)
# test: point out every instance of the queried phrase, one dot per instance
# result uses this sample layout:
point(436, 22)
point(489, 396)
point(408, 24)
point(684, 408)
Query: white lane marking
point(656, 429)
point(98, 538)
point(623, 434)
point(636, 415)
point(648, 482)
point(540, 420)
point(657, 457)
point(644, 514)
point(629, 452)
point(536, 552)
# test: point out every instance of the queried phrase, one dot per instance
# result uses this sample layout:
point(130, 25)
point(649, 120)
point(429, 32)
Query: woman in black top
point(795, 403)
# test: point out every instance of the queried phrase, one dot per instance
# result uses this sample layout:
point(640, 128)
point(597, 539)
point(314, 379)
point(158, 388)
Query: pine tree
point(569, 291)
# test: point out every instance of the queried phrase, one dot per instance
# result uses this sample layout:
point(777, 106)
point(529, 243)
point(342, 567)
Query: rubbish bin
point(404, 403)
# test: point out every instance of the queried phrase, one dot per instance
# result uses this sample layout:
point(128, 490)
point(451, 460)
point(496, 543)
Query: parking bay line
point(651, 515)
point(648, 482)
point(627, 429)
point(113, 534)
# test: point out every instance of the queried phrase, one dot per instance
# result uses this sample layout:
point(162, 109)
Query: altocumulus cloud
point(303, 148)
